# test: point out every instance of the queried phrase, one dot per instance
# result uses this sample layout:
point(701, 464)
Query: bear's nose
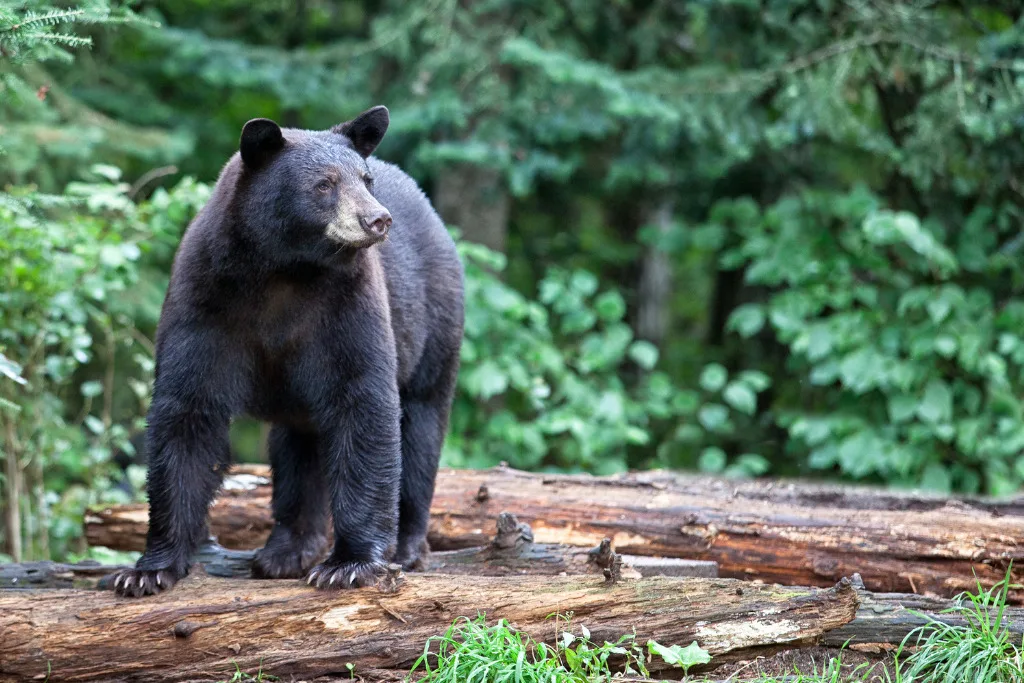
point(377, 225)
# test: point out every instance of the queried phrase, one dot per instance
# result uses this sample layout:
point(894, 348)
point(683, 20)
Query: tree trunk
point(655, 288)
point(204, 627)
point(882, 621)
point(12, 492)
point(789, 533)
point(475, 200)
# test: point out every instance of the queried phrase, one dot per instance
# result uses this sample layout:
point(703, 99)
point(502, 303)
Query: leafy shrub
point(560, 382)
point(906, 354)
point(69, 328)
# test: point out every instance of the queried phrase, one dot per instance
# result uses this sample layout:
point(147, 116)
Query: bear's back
point(422, 268)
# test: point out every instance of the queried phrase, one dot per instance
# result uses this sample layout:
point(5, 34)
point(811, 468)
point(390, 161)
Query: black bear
point(319, 291)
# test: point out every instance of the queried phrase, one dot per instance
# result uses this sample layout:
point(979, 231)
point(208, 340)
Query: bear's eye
point(368, 179)
point(324, 186)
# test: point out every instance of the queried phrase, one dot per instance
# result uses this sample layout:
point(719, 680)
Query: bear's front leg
point(361, 444)
point(189, 450)
point(187, 440)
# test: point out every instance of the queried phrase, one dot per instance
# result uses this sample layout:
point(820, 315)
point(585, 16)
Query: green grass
point(981, 650)
point(241, 677)
point(473, 652)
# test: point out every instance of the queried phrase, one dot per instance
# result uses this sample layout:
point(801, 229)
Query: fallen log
point(789, 533)
point(885, 619)
point(204, 627)
point(46, 574)
point(89, 574)
point(511, 552)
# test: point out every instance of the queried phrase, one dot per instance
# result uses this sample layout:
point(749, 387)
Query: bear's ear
point(261, 139)
point(366, 130)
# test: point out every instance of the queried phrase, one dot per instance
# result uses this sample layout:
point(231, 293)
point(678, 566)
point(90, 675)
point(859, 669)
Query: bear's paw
point(136, 583)
point(334, 575)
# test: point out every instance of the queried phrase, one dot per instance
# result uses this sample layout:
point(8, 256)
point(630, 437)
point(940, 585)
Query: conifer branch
point(748, 81)
point(50, 18)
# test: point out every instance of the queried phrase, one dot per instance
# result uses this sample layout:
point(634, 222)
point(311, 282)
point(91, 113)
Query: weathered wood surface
point(212, 558)
point(48, 574)
point(790, 533)
point(204, 626)
point(884, 620)
point(511, 552)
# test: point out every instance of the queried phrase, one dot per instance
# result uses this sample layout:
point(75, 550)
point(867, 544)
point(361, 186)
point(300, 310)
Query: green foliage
point(707, 419)
point(562, 383)
point(550, 370)
point(35, 31)
point(878, 282)
point(470, 651)
point(48, 135)
point(905, 352)
point(683, 657)
point(240, 676)
point(69, 297)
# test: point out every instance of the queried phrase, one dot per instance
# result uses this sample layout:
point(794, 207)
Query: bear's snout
point(376, 225)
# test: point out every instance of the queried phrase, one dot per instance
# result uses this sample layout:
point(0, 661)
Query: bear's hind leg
point(298, 539)
point(426, 406)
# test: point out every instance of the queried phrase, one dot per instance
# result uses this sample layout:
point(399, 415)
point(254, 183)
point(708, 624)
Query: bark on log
point(89, 574)
point(884, 620)
point(789, 533)
point(46, 574)
point(202, 628)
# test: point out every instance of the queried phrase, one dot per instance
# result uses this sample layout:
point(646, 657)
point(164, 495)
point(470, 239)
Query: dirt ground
point(780, 664)
point(804, 660)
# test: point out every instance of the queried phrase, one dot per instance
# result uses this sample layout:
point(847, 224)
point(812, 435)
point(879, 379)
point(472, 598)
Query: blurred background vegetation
point(747, 237)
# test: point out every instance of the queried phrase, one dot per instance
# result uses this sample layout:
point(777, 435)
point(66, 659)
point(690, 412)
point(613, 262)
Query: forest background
point(745, 237)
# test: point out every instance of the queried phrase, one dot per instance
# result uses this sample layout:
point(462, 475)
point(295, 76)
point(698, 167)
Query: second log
point(789, 533)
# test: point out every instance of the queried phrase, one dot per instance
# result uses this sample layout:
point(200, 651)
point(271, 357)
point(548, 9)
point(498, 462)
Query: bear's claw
point(329, 575)
point(135, 583)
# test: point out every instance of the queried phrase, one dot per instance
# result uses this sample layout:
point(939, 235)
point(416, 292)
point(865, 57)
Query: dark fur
point(350, 349)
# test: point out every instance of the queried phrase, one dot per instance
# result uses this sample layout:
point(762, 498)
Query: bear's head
point(309, 194)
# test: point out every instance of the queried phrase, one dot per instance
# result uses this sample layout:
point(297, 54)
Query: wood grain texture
point(884, 620)
point(205, 626)
point(785, 532)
